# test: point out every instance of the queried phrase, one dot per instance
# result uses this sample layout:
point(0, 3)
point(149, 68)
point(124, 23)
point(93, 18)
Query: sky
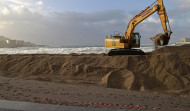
point(86, 22)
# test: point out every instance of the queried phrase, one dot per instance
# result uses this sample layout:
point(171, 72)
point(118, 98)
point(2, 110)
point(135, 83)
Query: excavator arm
point(138, 19)
point(159, 7)
point(164, 18)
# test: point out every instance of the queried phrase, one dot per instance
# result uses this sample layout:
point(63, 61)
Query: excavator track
point(113, 52)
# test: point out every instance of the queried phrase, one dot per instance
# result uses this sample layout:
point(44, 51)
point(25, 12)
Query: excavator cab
point(136, 40)
point(134, 43)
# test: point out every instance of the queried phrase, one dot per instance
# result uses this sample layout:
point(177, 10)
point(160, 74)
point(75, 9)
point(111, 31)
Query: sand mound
point(167, 69)
point(119, 79)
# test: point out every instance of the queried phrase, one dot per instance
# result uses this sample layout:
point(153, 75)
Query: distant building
point(2, 38)
point(8, 43)
point(183, 41)
point(3, 44)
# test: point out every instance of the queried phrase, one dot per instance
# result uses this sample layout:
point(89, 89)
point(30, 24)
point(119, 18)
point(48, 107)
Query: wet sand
point(73, 95)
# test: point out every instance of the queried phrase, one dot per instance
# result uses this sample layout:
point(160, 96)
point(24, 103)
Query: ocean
point(64, 50)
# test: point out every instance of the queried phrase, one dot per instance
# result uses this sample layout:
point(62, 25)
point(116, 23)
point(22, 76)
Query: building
point(8, 43)
point(185, 40)
point(2, 38)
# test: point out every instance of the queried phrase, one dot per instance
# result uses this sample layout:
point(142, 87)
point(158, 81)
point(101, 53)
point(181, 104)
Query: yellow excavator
point(124, 44)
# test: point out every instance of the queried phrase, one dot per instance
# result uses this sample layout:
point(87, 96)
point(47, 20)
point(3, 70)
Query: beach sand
point(158, 79)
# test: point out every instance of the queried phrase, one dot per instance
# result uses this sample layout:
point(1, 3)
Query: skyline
point(84, 22)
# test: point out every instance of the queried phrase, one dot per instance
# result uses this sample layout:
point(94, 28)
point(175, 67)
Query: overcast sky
point(85, 22)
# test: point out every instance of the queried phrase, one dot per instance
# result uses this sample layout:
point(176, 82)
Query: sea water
point(64, 50)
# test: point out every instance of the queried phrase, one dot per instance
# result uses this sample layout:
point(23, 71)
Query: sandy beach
point(159, 80)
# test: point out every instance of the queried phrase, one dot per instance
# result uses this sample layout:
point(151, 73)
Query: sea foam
point(51, 50)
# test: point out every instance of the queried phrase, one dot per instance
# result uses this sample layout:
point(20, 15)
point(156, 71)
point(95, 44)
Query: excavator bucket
point(160, 39)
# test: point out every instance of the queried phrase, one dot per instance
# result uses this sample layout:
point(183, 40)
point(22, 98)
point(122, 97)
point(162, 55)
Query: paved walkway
point(27, 106)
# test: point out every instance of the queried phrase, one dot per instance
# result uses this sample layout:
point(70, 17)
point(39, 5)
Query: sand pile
point(167, 69)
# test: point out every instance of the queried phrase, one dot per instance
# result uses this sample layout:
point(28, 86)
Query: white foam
point(48, 50)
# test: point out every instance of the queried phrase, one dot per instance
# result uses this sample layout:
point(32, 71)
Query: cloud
point(152, 20)
point(188, 21)
point(61, 28)
point(24, 19)
point(5, 11)
point(182, 7)
point(20, 2)
point(39, 3)
point(185, 4)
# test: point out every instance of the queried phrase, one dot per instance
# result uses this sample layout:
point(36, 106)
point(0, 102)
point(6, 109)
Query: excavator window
point(136, 39)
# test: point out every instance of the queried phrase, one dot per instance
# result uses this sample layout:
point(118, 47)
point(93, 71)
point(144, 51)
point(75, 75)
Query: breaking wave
point(62, 50)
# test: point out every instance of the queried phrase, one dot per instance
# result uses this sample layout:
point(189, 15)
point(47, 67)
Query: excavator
point(130, 41)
